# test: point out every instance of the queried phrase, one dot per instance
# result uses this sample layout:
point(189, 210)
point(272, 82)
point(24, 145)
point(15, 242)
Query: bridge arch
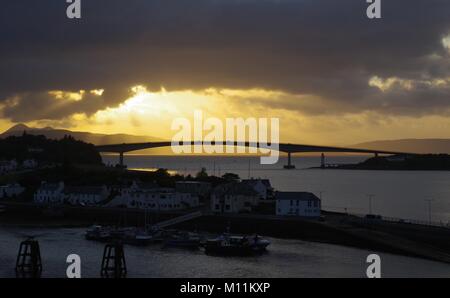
point(281, 147)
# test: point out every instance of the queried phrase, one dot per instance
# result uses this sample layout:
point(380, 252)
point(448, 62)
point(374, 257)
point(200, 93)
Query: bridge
point(282, 147)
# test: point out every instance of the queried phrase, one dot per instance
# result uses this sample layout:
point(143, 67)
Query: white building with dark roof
point(11, 191)
point(151, 196)
point(234, 197)
point(50, 193)
point(29, 164)
point(303, 204)
point(85, 195)
point(261, 186)
point(7, 166)
point(199, 188)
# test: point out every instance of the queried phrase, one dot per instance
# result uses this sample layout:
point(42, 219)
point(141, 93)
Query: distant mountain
point(93, 138)
point(409, 145)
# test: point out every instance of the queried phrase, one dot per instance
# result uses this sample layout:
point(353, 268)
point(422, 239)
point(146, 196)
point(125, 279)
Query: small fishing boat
point(183, 239)
point(234, 245)
point(98, 233)
point(137, 237)
point(129, 235)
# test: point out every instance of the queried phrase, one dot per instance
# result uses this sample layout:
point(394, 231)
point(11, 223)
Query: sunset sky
point(329, 73)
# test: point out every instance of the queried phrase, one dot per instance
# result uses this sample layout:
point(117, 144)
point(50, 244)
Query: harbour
point(284, 258)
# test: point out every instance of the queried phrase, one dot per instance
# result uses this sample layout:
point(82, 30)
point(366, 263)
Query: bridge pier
point(121, 159)
point(322, 161)
point(289, 166)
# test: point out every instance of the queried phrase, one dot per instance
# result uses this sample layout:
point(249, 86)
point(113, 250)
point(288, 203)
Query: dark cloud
point(325, 49)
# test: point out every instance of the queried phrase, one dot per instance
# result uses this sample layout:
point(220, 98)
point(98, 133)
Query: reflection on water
point(285, 258)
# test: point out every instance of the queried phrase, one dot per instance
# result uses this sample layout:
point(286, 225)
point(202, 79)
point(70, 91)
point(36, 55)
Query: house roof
point(91, 190)
point(49, 186)
point(147, 185)
point(296, 195)
point(235, 188)
point(192, 182)
point(266, 182)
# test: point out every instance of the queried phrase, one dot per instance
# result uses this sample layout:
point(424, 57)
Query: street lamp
point(320, 195)
point(370, 202)
point(429, 208)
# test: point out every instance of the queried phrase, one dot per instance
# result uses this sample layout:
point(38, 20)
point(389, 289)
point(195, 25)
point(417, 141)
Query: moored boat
point(98, 233)
point(129, 235)
point(183, 239)
point(236, 245)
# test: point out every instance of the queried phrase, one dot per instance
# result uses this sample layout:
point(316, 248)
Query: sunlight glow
point(446, 43)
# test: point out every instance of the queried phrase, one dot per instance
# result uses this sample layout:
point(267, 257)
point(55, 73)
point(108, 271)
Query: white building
point(198, 188)
point(304, 204)
point(7, 166)
point(29, 164)
point(261, 186)
point(161, 201)
point(235, 197)
point(152, 197)
point(85, 195)
point(11, 191)
point(50, 193)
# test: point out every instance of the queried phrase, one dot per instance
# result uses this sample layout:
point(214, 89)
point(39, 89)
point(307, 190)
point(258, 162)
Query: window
point(315, 204)
point(292, 202)
point(309, 203)
point(227, 207)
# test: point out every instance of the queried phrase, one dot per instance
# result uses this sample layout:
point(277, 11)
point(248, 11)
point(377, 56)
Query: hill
point(63, 151)
point(424, 146)
point(93, 138)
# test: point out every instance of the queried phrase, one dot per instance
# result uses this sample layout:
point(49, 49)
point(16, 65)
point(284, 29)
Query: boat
point(129, 235)
point(227, 244)
point(137, 237)
point(98, 233)
point(183, 239)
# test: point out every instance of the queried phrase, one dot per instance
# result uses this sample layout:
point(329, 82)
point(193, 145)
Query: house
point(261, 186)
point(85, 195)
point(161, 201)
point(50, 193)
point(150, 196)
point(297, 204)
point(234, 197)
point(7, 166)
point(29, 164)
point(11, 190)
point(198, 188)
point(142, 186)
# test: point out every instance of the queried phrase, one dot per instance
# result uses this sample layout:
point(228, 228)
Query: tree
point(202, 174)
point(231, 177)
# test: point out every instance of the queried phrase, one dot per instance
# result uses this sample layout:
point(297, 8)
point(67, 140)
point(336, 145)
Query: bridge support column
point(289, 165)
point(322, 161)
point(121, 159)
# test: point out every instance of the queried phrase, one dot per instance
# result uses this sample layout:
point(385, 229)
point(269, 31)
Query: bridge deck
point(282, 147)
